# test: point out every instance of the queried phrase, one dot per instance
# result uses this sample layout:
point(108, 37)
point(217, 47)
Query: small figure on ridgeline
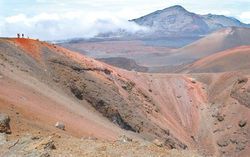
point(18, 35)
point(22, 35)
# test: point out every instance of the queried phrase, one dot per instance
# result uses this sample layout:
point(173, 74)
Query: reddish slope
point(217, 41)
point(91, 97)
point(93, 90)
point(39, 102)
point(177, 99)
point(46, 110)
point(229, 97)
point(32, 47)
point(229, 60)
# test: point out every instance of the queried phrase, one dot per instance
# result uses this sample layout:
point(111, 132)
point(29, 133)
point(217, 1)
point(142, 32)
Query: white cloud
point(245, 16)
point(59, 19)
point(67, 25)
point(16, 18)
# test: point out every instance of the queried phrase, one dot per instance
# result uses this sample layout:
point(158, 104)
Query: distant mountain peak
point(176, 7)
point(173, 9)
point(177, 21)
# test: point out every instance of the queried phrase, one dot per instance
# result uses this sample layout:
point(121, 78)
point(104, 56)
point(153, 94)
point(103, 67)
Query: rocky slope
point(42, 84)
point(236, 59)
point(218, 41)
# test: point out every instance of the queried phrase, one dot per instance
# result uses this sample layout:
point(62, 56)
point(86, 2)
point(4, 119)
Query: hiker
point(18, 35)
point(22, 35)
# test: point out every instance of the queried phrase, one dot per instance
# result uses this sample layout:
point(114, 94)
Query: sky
point(62, 19)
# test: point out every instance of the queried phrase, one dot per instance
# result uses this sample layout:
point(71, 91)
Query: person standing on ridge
point(18, 35)
point(22, 35)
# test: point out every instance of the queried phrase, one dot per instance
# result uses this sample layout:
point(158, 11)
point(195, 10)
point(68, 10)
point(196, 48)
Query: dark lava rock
point(242, 80)
point(178, 96)
point(107, 71)
point(220, 118)
point(242, 123)
point(240, 147)
point(223, 143)
point(4, 123)
point(77, 91)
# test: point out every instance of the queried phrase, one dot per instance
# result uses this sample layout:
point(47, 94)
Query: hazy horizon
point(54, 19)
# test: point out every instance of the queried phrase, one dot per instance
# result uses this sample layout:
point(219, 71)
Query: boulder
point(4, 123)
point(242, 80)
point(193, 80)
point(240, 147)
point(242, 123)
point(158, 143)
point(124, 139)
point(220, 118)
point(171, 143)
point(60, 125)
point(223, 143)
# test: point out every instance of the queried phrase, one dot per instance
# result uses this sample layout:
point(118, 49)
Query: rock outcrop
point(4, 123)
point(60, 125)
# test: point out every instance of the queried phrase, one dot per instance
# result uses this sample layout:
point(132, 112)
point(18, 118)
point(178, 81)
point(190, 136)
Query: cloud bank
point(56, 26)
point(245, 16)
point(63, 19)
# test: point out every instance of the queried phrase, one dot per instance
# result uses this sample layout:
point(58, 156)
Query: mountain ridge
point(177, 21)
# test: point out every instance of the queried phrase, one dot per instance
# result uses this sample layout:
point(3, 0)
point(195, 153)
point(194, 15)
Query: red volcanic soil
point(227, 93)
point(230, 60)
point(211, 44)
point(43, 83)
point(32, 47)
point(42, 106)
point(39, 103)
point(178, 101)
point(218, 41)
